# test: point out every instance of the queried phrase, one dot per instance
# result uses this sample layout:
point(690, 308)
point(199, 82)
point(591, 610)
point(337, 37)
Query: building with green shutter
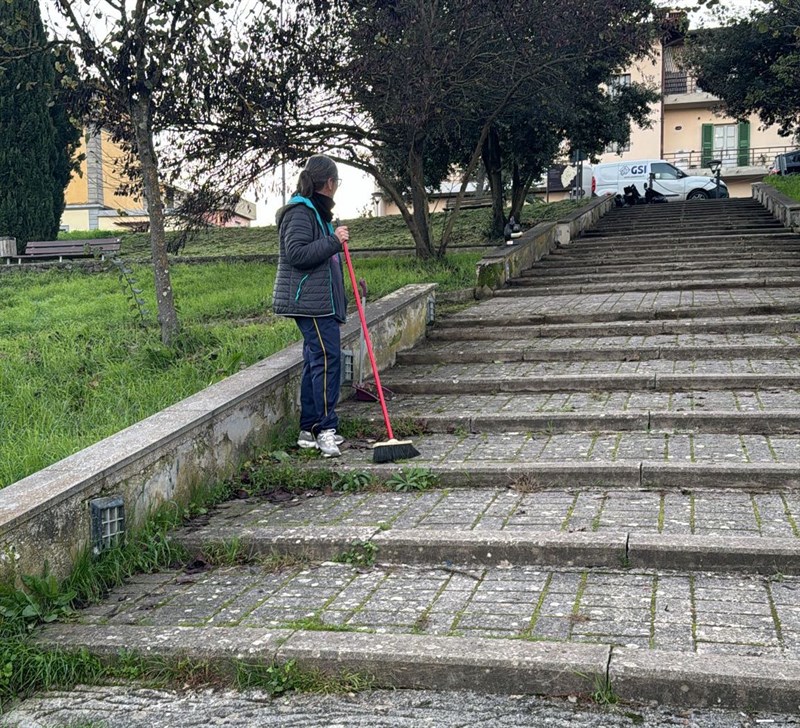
point(690, 128)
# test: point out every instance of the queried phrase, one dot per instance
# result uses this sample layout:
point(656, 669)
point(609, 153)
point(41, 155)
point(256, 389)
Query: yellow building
point(96, 198)
point(690, 127)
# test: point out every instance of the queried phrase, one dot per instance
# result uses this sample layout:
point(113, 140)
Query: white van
point(613, 177)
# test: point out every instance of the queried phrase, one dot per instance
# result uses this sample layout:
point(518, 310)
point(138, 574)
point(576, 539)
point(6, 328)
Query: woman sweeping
point(309, 287)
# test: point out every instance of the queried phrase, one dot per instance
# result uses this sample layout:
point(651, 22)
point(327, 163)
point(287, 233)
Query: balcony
point(681, 89)
point(753, 162)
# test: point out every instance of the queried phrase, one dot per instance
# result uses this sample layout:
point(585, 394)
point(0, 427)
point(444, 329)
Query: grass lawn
point(77, 366)
point(471, 228)
point(788, 184)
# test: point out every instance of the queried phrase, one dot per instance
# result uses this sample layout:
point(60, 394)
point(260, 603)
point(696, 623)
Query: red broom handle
point(367, 340)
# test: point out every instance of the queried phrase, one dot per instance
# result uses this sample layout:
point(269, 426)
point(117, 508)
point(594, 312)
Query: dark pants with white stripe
point(319, 388)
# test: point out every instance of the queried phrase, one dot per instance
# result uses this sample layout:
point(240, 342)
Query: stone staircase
point(615, 437)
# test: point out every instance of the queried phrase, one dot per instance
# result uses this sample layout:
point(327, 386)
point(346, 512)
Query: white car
point(612, 178)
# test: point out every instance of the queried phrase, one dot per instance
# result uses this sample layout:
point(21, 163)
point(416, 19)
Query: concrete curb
point(711, 475)
point(705, 680)
point(645, 474)
point(715, 553)
point(317, 543)
point(492, 548)
point(446, 663)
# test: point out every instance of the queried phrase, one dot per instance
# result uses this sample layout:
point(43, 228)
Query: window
point(615, 148)
point(662, 170)
point(618, 80)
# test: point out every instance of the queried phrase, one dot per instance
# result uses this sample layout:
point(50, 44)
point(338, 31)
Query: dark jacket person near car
point(309, 287)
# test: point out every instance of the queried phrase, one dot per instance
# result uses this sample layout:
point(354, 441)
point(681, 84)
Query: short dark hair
point(318, 170)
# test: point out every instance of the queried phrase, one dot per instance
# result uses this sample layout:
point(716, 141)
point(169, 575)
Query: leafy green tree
point(753, 64)
point(37, 138)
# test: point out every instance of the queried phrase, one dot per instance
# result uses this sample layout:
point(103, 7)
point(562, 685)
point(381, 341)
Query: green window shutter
point(744, 144)
point(706, 144)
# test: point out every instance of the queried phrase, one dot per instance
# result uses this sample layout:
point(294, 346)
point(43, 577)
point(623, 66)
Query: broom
point(392, 449)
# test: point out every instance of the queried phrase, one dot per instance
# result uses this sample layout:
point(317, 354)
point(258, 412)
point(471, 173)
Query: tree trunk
point(421, 229)
point(167, 315)
point(520, 185)
point(491, 161)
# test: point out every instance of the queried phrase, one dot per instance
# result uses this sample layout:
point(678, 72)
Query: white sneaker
point(326, 442)
point(306, 440)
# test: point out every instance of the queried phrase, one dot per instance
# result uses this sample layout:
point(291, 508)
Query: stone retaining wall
point(503, 263)
point(783, 207)
point(202, 439)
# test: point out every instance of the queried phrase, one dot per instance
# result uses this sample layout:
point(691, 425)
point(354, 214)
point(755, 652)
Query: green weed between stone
point(360, 553)
point(603, 693)
point(412, 479)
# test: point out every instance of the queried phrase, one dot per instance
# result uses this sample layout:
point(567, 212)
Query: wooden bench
point(43, 249)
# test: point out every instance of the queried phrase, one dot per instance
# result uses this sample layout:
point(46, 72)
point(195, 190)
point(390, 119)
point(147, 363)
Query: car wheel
point(697, 195)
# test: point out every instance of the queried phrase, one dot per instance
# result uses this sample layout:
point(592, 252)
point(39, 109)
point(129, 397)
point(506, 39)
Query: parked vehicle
point(787, 163)
point(613, 177)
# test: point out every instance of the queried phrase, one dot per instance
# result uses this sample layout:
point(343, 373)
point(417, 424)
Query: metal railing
point(680, 83)
point(754, 157)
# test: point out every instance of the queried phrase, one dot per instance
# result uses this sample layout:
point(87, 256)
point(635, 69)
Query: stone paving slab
point(249, 610)
point(719, 513)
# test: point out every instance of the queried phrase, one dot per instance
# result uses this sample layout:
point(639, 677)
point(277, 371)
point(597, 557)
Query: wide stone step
point(732, 217)
point(536, 276)
point(562, 266)
point(521, 288)
point(762, 219)
point(558, 267)
point(721, 531)
point(751, 244)
point(633, 460)
point(682, 305)
point(452, 330)
point(561, 422)
point(611, 258)
point(701, 237)
point(684, 636)
point(689, 238)
point(536, 377)
point(607, 348)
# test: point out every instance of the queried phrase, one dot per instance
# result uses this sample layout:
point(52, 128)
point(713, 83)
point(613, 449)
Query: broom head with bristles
point(391, 451)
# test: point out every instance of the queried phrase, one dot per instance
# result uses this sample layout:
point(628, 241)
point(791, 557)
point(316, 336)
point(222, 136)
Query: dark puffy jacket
point(310, 280)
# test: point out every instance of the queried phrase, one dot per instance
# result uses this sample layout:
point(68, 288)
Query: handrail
point(753, 157)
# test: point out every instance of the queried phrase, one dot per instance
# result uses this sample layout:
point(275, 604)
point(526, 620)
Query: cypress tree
point(32, 150)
